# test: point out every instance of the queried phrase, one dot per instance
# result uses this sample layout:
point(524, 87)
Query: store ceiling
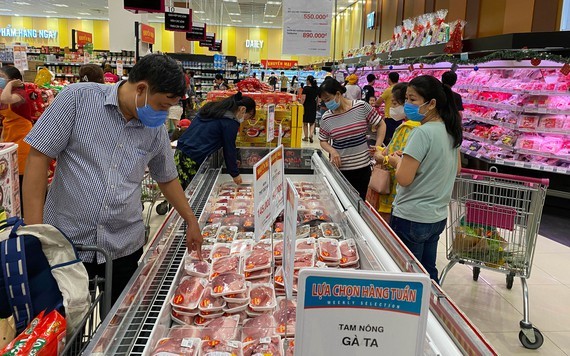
point(240, 13)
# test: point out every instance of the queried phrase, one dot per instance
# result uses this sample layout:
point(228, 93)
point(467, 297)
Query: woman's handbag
point(380, 180)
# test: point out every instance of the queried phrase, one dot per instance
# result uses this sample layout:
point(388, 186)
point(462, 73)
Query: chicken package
point(224, 328)
point(331, 230)
point(196, 268)
point(241, 247)
point(349, 253)
point(206, 251)
point(305, 244)
point(228, 283)
point(262, 297)
point(225, 264)
point(209, 303)
point(258, 260)
point(185, 332)
point(257, 274)
point(289, 347)
point(268, 346)
point(304, 259)
point(235, 308)
point(210, 231)
point(329, 249)
point(239, 298)
point(277, 248)
point(286, 318)
point(171, 346)
point(188, 293)
point(227, 233)
point(221, 348)
point(244, 235)
point(260, 280)
point(211, 315)
point(181, 319)
point(258, 328)
point(220, 250)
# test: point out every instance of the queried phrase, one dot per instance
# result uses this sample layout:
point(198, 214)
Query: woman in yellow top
point(397, 143)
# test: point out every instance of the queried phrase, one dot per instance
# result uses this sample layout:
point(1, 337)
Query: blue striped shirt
point(95, 196)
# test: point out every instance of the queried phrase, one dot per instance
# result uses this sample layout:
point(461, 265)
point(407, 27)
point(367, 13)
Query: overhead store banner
point(147, 34)
point(307, 29)
point(83, 38)
point(196, 33)
point(364, 313)
point(178, 19)
point(216, 47)
point(209, 41)
point(278, 64)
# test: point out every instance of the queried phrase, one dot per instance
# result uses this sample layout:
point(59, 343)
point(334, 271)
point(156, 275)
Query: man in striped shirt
point(104, 137)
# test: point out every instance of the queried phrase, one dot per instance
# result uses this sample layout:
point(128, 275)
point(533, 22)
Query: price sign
point(364, 313)
point(270, 122)
point(179, 20)
point(262, 196)
point(289, 236)
point(549, 168)
point(277, 181)
point(196, 33)
point(216, 47)
point(307, 30)
point(209, 41)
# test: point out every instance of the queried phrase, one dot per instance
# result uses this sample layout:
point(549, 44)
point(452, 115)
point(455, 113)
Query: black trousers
point(359, 178)
point(123, 270)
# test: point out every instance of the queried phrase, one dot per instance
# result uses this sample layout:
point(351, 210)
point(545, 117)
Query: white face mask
point(397, 113)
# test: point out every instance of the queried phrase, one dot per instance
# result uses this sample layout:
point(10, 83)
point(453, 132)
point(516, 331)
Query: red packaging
point(46, 338)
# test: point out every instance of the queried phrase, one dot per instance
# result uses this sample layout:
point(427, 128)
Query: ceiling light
point(230, 0)
point(60, 5)
point(274, 2)
point(160, 17)
point(268, 22)
point(234, 13)
point(106, 7)
point(270, 15)
point(16, 15)
point(50, 12)
point(198, 12)
point(21, 3)
point(2, 10)
point(84, 13)
point(256, 26)
point(236, 20)
point(342, 8)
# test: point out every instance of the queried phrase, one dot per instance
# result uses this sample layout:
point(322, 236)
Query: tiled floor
point(495, 310)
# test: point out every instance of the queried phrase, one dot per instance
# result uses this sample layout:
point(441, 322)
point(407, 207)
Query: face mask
point(3, 83)
point(397, 113)
point(332, 105)
point(148, 116)
point(413, 112)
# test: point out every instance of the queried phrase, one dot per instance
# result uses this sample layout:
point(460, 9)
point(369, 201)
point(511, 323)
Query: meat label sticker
point(363, 313)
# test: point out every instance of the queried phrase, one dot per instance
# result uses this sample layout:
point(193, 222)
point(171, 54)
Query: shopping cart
point(150, 193)
point(100, 290)
point(493, 224)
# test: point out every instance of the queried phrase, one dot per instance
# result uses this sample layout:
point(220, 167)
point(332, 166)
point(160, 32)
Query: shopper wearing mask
point(309, 101)
point(397, 144)
point(426, 170)
point(104, 137)
point(353, 91)
point(284, 82)
point(391, 123)
point(368, 91)
point(345, 125)
point(215, 126)
point(16, 108)
point(220, 83)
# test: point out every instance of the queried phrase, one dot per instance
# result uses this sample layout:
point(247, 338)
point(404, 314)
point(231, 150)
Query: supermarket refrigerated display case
point(141, 317)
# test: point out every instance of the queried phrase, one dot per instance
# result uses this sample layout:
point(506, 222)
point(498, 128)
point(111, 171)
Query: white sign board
point(270, 122)
point(262, 196)
point(289, 236)
point(307, 29)
point(277, 181)
point(21, 57)
point(364, 313)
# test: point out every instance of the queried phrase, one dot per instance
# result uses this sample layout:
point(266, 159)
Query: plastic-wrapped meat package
point(278, 236)
point(290, 351)
point(264, 245)
point(278, 227)
point(244, 235)
point(209, 303)
point(304, 259)
point(248, 222)
point(221, 348)
point(329, 249)
point(227, 233)
point(258, 259)
point(189, 292)
point(241, 247)
point(258, 280)
point(305, 244)
point(181, 318)
point(177, 346)
point(196, 268)
point(206, 250)
point(224, 328)
point(258, 327)
point(262, 297)
point(285, 317)
point(232, 219)
point(303, 231)
point(228, 283)
point(267, 347)
point(215, 218)
point(349, 253)
point(331, 230)
point(185, 332)
point(258, 274)
point(315, 232)
point(220, 250)
point(266, 235)
point(210, 231)
point(278, 249)
point(235, 308)
point(224, 265)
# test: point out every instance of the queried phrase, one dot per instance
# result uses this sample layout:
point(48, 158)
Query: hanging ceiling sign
point(209, 41)
point(147, 34)
point(216, 47)
point(83, 37)
point(178, 19)
point(196, 33)
point(137, 6)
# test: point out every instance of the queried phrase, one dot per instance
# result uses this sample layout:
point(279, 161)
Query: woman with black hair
point(426, 169)
point(215, 126)
point(309, 101)
point(343, 131)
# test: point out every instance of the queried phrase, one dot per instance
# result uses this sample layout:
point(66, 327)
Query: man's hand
point(194, 238)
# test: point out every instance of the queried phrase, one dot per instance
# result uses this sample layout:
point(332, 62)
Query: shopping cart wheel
point(162, 208)
point(476, 271)
point(510, 279)
point(538, 339)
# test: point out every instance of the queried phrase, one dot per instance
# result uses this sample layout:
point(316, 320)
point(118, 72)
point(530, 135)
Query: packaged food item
point(258, 260)
point(257, 274)
point(303, 231)
point(242, 235)
point(222, 328)
point(285, 317)
point(188, 293)
point(209, 303)
point(258, 327)
point(220, 250)
point(185, 332)
point(349, 253)
point(210, 231)
point(180, 319)
point(262, 297)
point(331, 230)
point(228, 283)
point(308, 243)
point(206, 251)
point(278, 249)
point(196, 268)
point(177, 346)
point(226, 264)
point(269, 346)
point(226, 233)
point(304, 259)
point(329, 249)
point(241, 247)
point(22, 339)
point(221, 348)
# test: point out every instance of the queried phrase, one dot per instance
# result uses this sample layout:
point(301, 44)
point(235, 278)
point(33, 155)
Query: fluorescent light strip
point(234, 13)
point(270, 15)
point(198, 12)
point(5, 10)
point(60, 5)
point(274, 2)
point(84, 13)
point(50, 12)
point(21, 3)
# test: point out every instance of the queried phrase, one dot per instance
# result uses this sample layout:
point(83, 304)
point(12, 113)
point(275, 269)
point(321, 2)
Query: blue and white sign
point(361, 313)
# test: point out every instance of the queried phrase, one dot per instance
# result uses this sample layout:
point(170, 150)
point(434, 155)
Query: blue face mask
point(3, 83)
point(413, 112)
point(148, 116)
point(332, 105)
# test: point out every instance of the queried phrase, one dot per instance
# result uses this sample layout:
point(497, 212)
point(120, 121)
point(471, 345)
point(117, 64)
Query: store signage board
point(196, 33)
point(82, 38)
point(21, 57)
point(307, 29)
point(277, 181)
point(178, 19)
point(262, 196)
point(137, 6)
point(216, 47)
point(270, 122)
point(364, 313)
point(278, 63)
point(209, 41)
point(289, 236)
point(254, 44)
point(10, 31)
point(147, 34)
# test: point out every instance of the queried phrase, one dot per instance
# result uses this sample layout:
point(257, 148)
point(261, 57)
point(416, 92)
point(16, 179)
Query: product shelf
point(516, 109)
point(510, 90)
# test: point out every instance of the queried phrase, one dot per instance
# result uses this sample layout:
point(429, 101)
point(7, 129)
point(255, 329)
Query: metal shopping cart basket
point(150, 193)
point(100, 291)
point(493, 224)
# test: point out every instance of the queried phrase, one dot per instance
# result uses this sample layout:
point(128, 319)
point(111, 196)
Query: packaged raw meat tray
point(257, 260)
point(227, 233)
point(221, 348)
point(209, 303)
point(262, 297)
point(305, 244)
point(228, 283)
point(196, 268)
point(210, 231)
point(258, 327)
point(177, 346)
point(329, 249)
point(224, 328)
point(226, 264)
point(349, 253)
point(331, 230)
point(269, 346)
point(304, 259)
point(220, 250)
point(188, 293)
